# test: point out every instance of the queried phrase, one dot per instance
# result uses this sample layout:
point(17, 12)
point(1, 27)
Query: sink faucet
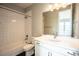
point(55, 34)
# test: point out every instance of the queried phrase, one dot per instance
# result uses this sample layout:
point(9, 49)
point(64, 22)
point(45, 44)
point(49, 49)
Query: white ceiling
point(23, 5)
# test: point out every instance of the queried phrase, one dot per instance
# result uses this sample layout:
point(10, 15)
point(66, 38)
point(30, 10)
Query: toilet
point(29, 49)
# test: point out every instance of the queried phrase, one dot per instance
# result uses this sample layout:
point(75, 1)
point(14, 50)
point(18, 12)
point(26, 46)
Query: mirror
point(59, 22)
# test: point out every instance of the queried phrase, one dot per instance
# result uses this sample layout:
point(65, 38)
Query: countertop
point(65, 42)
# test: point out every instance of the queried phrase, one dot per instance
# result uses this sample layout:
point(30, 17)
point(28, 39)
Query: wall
point(12, 32)
point(76, 21)
point(37, 18)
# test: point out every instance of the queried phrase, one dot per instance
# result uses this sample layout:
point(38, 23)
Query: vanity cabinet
point(44, 49)
point(41, 50)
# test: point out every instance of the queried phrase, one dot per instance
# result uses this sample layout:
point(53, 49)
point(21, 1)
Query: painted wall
point(37, 18)
point(12, 32)
point(76, 21)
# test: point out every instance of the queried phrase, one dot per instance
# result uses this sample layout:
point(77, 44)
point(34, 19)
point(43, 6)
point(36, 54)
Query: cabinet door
point(41, 50)
point(56, 54)
point(44, 51)
point(37, 48)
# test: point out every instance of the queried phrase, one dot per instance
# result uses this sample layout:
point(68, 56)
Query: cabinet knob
point(49, 54)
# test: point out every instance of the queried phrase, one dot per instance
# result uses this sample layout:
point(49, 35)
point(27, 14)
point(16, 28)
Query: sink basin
point(55, 40)
point(60, 39)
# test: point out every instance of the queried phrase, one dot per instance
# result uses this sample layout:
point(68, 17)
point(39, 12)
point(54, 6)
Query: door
point(37, 48)
point(41, 50)
point(44, 51)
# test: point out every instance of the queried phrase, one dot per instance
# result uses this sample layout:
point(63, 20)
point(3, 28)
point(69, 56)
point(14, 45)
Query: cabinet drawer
point(63, 51)
point(43, 44)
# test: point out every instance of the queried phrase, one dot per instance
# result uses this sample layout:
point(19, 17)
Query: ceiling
point(23, 5)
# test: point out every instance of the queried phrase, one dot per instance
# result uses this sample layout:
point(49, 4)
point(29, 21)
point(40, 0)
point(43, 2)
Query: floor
point(23, 54)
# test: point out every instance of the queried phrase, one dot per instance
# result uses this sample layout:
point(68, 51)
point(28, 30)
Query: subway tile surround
point(11, 33)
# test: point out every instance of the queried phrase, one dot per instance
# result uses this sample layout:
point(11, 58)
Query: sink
point(54, 40)
point(60, 38)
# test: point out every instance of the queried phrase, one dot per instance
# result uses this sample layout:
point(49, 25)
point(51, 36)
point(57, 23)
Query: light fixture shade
point(57, 6)
point(50, 8)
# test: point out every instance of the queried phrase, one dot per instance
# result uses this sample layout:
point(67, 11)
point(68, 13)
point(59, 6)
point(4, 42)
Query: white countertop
point(66, 42)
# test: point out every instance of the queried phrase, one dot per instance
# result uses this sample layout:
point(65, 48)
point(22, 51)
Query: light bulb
point(51, 10)
point(56, 4)
point(57, 8)
point(64, 5)
point(50, 7)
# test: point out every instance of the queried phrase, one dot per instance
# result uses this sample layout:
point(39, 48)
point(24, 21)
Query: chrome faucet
point(55, 35)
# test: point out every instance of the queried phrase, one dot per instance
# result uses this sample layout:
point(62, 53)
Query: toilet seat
point(28, 47)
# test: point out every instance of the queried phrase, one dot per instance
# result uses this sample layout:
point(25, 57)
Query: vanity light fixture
point(50, 7)
point(57, 6)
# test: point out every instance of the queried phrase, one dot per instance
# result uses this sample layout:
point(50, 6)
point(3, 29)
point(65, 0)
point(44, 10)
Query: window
point(65, 23)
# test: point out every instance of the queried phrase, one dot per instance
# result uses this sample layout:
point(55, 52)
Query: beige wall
point(37, 18)
point(76, 23)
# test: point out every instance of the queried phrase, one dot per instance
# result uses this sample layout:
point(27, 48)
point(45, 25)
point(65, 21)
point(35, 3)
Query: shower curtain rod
point(9, 9)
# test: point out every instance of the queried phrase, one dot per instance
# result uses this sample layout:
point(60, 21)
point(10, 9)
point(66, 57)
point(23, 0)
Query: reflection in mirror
point(58, 22)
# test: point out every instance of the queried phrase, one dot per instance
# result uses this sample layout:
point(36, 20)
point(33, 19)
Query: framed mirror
point(59, 21)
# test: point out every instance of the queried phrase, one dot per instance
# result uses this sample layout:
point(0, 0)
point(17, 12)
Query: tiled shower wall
point(12, 31)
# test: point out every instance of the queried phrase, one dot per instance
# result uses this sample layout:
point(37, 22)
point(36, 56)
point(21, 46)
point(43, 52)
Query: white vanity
point(47, 45)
